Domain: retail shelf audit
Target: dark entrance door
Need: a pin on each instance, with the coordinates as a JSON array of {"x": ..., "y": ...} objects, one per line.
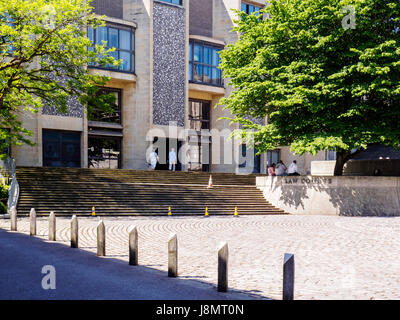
[
  {"x": 199, "y": 152},
  {"x": 105, "y": 152},
  {"x": 61, "y": 148},
  {"x": 163, "y": 147},
  {"x": 255, "y": 162}
]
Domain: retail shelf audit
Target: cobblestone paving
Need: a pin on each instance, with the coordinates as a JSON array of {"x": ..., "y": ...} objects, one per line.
[{"x": 336, "y": 257}]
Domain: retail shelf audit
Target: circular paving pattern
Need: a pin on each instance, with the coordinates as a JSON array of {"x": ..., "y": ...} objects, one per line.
[{"x": 335, "y": 257}]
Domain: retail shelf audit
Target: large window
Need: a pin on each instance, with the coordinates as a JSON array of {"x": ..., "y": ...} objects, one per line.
[
  {"x": 203, "y": 62},
  {"x": 273, "y": 156},
  {"x": 249, "y": 8},
  {"x": 199, "y": 115},
  {"x": 114, "y": 114},
  {"x": 118, "y": 37},
  {"x": 61, "y": 148},
  {"x": 173, "y": 1},
  {"x": 105, "y": 152}
]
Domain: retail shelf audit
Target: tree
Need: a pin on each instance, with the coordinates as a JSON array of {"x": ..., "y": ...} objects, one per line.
[
  {"x": 326, "y": 80},
  {"x": 43, "y": 61}
]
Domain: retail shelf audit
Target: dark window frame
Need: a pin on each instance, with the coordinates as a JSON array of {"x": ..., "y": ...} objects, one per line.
[
  {"x": 120, "y": 142},
  {"x": 206, "y": 122},
  {"x": 193, "y": 63},
  {"x": 60, "y": 144},
  {"x": 132, "y": 50},
  {"x": 108, "y": 90}
]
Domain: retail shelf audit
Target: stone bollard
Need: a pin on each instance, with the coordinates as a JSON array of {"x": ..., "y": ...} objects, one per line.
[
  {"x": 52, "y": 226},
  {"x": 288, "y": 277},
  {"x": 133, "y": 247},
  {"x": 223, "y": 256},
  {"x": 32, "y": 219},
  {"x": 101, "y": 239},
  {"x": 74, "y": 232},
  {"x": 13, "y": 218},
  {"x": 173, "y": 256}
]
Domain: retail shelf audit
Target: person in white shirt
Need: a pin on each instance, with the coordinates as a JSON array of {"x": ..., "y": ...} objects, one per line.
[
  {"x": 172, "y": 159},
  {"x": 292, "y": 171},
  {"x": 280, "y": 169},
  {"x": 153, "y": 157}
]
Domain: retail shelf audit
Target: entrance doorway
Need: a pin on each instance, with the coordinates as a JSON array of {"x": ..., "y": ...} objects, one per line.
[
  {"x": 254, "y": 162},
  {"x": 199, "y": 144},
  {"x": 61, "y": 148},
  {"x": 163, "y": 147},
  {"x": 105, "y": 152}
]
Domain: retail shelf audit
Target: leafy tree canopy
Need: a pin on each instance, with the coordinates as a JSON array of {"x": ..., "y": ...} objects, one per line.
[
  {"x": 43, "y": 61},
  {"x": 324, "y": 80}
]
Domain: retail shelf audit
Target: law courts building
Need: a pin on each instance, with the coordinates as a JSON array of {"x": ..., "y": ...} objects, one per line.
[{"x": 170, "y": 53}]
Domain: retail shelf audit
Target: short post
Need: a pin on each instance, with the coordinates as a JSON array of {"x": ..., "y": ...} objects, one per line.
[
  {"x": 133, "y": 247},
  {"x": 288, "y": 277},
  {"x": 32, "y": 219},
  {"x": 223, "y": 256},
  {"x": 52, "y": 226},
  {"x": 74, "y": 232},
  {"x": 173, "y": 256},
  {"x": 13, "y": 218},
  {"x": 101, "y": 239}
]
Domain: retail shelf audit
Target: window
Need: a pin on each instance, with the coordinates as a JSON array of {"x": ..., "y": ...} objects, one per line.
[
  {"x": 199, "y": 115},
  {"x": 249, "y": 8},
  {"x": 109, "y": 117},
  {"x": 203, "y": 64},
  {"x": 173, "y": 1},
  {"x": 330, "y": 155},
  {"x": 105, "y": 152},
  {"x": 61, "y": 149},
  {"x": 120, "y": 38},
  {"x": 273, "y": 156}
]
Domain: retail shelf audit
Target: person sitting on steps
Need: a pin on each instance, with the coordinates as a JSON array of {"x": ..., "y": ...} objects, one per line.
[{"x": 292, "y": 171}]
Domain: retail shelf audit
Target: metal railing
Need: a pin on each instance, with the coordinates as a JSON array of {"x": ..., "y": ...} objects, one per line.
[{"x": 8, "y": 168}]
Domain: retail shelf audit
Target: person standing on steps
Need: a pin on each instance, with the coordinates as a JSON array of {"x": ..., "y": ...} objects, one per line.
[
  {"x": 172, "y": 159},
  {"x": 153, "y": 157}
]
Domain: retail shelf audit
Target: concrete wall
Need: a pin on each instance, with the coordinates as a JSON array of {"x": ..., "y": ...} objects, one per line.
[
  {"x": 323, "y": 168},
  {"x": 345, "y": 196},
  {"x": 201, "y": 18},
  {"x": 111, "y": 8},
  {"x": 140, "y": 12}
]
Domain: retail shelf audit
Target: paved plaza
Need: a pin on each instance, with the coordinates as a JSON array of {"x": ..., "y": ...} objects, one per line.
[{"x": 336, "y": 257}]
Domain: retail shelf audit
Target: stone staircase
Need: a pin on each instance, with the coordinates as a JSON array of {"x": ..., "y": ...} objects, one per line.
[{"x": 68, "y": 191}]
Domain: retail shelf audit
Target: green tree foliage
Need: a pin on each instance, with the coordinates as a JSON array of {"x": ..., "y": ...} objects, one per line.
[
  {"x": 43, "y": 61},
  {"x": 322, "y": 85},
  {"x": 3, "y": 198}
]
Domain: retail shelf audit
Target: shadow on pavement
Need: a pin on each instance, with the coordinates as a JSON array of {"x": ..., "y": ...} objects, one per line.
[{"x": 81, "y": 275}]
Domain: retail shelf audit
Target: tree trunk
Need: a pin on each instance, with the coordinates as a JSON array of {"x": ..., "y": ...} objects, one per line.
[{"x": 342, "y": 157}]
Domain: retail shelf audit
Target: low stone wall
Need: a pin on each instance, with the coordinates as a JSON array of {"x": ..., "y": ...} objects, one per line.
[{"x": 345, "y": 196}]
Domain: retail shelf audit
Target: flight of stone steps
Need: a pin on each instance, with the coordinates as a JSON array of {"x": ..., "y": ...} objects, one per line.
[{"x": 68, "y": 191}]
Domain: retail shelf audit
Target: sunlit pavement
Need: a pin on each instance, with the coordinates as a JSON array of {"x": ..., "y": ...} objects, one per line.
[{"x": 336, "y": 257}]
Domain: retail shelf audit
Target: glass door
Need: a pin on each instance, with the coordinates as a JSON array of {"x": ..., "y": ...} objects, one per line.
[{"x": 105, "y": 152}]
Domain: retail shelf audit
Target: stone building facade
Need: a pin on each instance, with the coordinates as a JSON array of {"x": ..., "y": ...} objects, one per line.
[{"x": 166, "y": 92}]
